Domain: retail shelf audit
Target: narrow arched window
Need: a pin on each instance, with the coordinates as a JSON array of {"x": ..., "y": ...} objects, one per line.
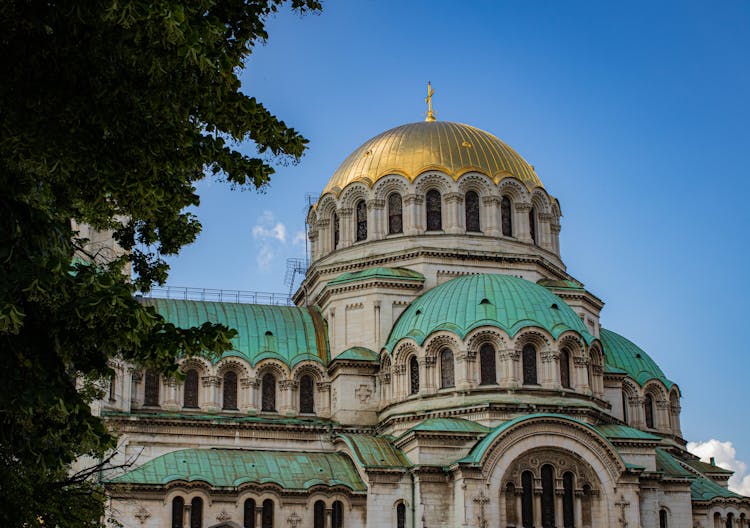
[
  {"x": 434, "y": 210},
  {"x": 487, "y": 370},
  {"x": 565, "y": 368},
  {"x": 413, "y": 375},
  {"x": 401, "y": 515},
  {"x": 335, "y": 227},
  {"x": 663, "y": 523},
  {"x": 395, "y": 214},
  {"x": 506, "y": 219},
  {"x": 568, "y": 503},
  {"x": 337, "y": 515},
  {"x": 527, "y": 500},
  {"x": 190, "y": 396},
  {"x": 586, "y": 505},
  {"x": 648, "y": 409},
  {"x": 268, "y": 393},
  {"x": 730, "y": 520},
  {"x": 151, "y": 388},
  {"x": 178, "y": 509},
  {"x": 548, "y": 497},
  {"x": 306, "y": 397},
  {"x": 248, "y": 514},
  {"x": 471, "y": 209},
  {"x": 112, "y": 379},
  {"x": 361, "y": 211},
  {"x": 196, "y": 513},
  {"x": 624, "y": 407},
  {"x": 446, "y": 368},
  {"x": 510, "y": 504},
  {"x": 319, "y": 514},
  {"x": 532, "y": 224},
  {"x": 266, "y": 517},
  {"x": 230, "y": 391},
  {"x": 529, "y": 365}
]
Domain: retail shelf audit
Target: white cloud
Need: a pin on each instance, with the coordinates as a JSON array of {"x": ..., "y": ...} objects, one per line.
[
  {"x": 299, "y": 238},
  {"x": 726, "y": 457},
  {"x": 267, "y": 228}
]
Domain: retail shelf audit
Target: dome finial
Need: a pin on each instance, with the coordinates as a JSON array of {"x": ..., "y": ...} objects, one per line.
[{"x": 428, "y": 100}]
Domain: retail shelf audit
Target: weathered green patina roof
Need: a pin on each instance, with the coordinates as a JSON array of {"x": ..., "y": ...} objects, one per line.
[
  {"x": 374, "y": 451},
  {"x": 669, "y": 465},
  {"x": 503, "y": 301},
  {"x": 626, "y": 355},
  {"x": 287, "y": 333},
  {"x": 705, "y": 489},
  {"x": 449, "y": 425},
  {"x": 623, "y": 432},
  {"x": 478, "y": 451},
  {"x": 359, "y": 354},
  {"x": 560, "y": 284},
  {"x": 229, "y": 468},
  {"x": 379, "y": 273},
  {"x": 705, "y": 467}
]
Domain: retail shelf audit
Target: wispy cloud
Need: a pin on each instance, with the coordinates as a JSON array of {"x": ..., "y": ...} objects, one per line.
[
  {"x": 270, "y": 236},
  {"x": 726, "y": 457},
  {"x": 267, "y": 228},
  {"x": 299, "y": 238}
]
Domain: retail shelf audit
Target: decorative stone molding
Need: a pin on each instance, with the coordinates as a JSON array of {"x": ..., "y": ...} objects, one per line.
[
  {"x": 293, "y": 520},
  {"x": 142, "y": 515},
  {"x": 375, "y": 203},
  {"x": 523, "y": 207},
  {"x": 363, "y": 393},
  {"x": 454, "y": 197},
  {"x": 288, "y": 384},
  {"x": 211, "y": 381},
  {"x": 429, "y": 361},
  {"x": 223, "y": 516},
  {"x": 323, "y": 386}
]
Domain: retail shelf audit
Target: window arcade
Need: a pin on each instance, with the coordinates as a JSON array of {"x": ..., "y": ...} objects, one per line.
[
  {"x": 395, "y": 214},
  {"x": 528, "y": 357},
  {"x": 487, "y": 367},
  {"x": 230, "y": 391},
  {"x": 151, "y": 388},
  {"x": 361, "y": 212},
  {"x": 447, "y": 378},
  {"x": 306, "y": 395},
  {"x": 413, "y": 375},
  {"x": 471, "y": 210},
  {"x": 190, "y": 389},
  {"x": 434, "y": 210},
  {"x": 268, "y": 393},
  {"x": 506, "y": 219}
]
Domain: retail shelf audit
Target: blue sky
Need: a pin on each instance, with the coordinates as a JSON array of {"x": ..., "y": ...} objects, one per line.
[{"x": 635, "y": 115}]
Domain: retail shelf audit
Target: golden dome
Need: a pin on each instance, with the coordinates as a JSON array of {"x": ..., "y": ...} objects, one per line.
[{"x": 453, "y": 148}]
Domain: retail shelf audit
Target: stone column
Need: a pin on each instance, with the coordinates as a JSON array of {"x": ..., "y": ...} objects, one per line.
[
  {"x": 211, "y": 385},
  {"x": 578, "y": 507},
  {"x": 323, "y": 400},
  {"x": 464, "y": 374},
  {"x": 248, "y": 386},
  {"x": 413, "y": 214},
  {"x": 454, "y": 220},
  {"x": 171, "y": 396},
  {"x": 428, "y": 383},
  {"x": 550, "y": 371},
  {"x": 559, "y": 506},
  {"x": 521, "y": 222},
  {"x": 490, "y": 219},
  {"x": 662, "y": 415},
  {"x": 287, "y": 389},
  {"x": 545, "y": 240},
  {"x": 555, "y": 233},
  {"x": 136, "y": 396},
  {"x": 537, "y": 503},
  {"x": 313, "y": 238},
  {"x": 400, "y": 387},
  {"x": 580, "y": 364},
  {"x": 325, "y": 239},
  {"x": 346, "y": 227},
  {"x": 375, "y": 222}
]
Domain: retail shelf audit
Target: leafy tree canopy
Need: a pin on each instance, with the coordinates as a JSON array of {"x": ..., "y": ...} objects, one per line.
[{"x": 110, "y": 111}]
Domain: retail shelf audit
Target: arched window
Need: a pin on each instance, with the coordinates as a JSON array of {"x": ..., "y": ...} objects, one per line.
[
  {"x": 230, "y": 391},
  {"x": 506, "y": 218},
  {"x": 266, "y": 517},
  {"x": 151, "y": 388},
  {"x": 624, "y": 406},
  {"x": 337, "y": 515},
  {"x": 413, "y": 375},
  {"x": 648, "y": 409},
  {"x": 112, "y": 379},
  {"x": 335, "y": 227},
  {"x": 319, "y": 514},
  {"x": 510, "y": 504},
  {"x": 548, "y": 497},
  {"x": 196, "y": 513},
  {"x": 663, "y": 523},
  {"x": 565, "y": 368},
  {"x": 730, "y": 520},
  {"x": 178, "y": 509},
  {"x": 306, "y": 397},
  {"x": 487, "y": 370},
  {"x": 446, "y": 368},
  {"x": 568, "y": 508},
  {"x": 434, "y": 211},
  {"x": 532, "y": 224},
  {"x": 268, "y": 393},
  {"x": 529, "y": 365},
  {"x": 674, "y": 413},
  {"x": 401, "y": 515},
  {"x": 395, "y": 214},
  {"x": 527, "y": 500},
  {"x": 190, "y": 396},
  {"x": 361, "y": 211},
  {"x": 471, "y": 208},
  {"x": 248, "y": 514}
]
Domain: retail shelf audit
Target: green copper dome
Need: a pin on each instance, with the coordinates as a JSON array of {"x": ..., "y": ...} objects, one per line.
[
  {"x": 626, "y": 355},
  {"x": 503, "y": 301}
]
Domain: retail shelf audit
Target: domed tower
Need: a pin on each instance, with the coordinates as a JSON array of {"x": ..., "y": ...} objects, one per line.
[{"x": 421, "y": 204}]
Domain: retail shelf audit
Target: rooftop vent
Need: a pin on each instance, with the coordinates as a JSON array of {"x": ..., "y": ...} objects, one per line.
[
  {"x": 554, "y": 306},
  {"x": 485, "y": 301},
  {"x": 269, "y": 333}
]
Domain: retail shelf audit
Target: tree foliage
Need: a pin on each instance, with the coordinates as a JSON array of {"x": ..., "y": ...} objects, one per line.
[{"x": 110, "y": 112}]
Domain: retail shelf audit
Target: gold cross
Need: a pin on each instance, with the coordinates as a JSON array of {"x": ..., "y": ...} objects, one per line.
[{"x": 428, "y": 100}]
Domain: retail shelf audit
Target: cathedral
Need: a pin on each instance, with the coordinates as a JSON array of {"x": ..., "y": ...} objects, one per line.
[{"x": 438, "y": 367}]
